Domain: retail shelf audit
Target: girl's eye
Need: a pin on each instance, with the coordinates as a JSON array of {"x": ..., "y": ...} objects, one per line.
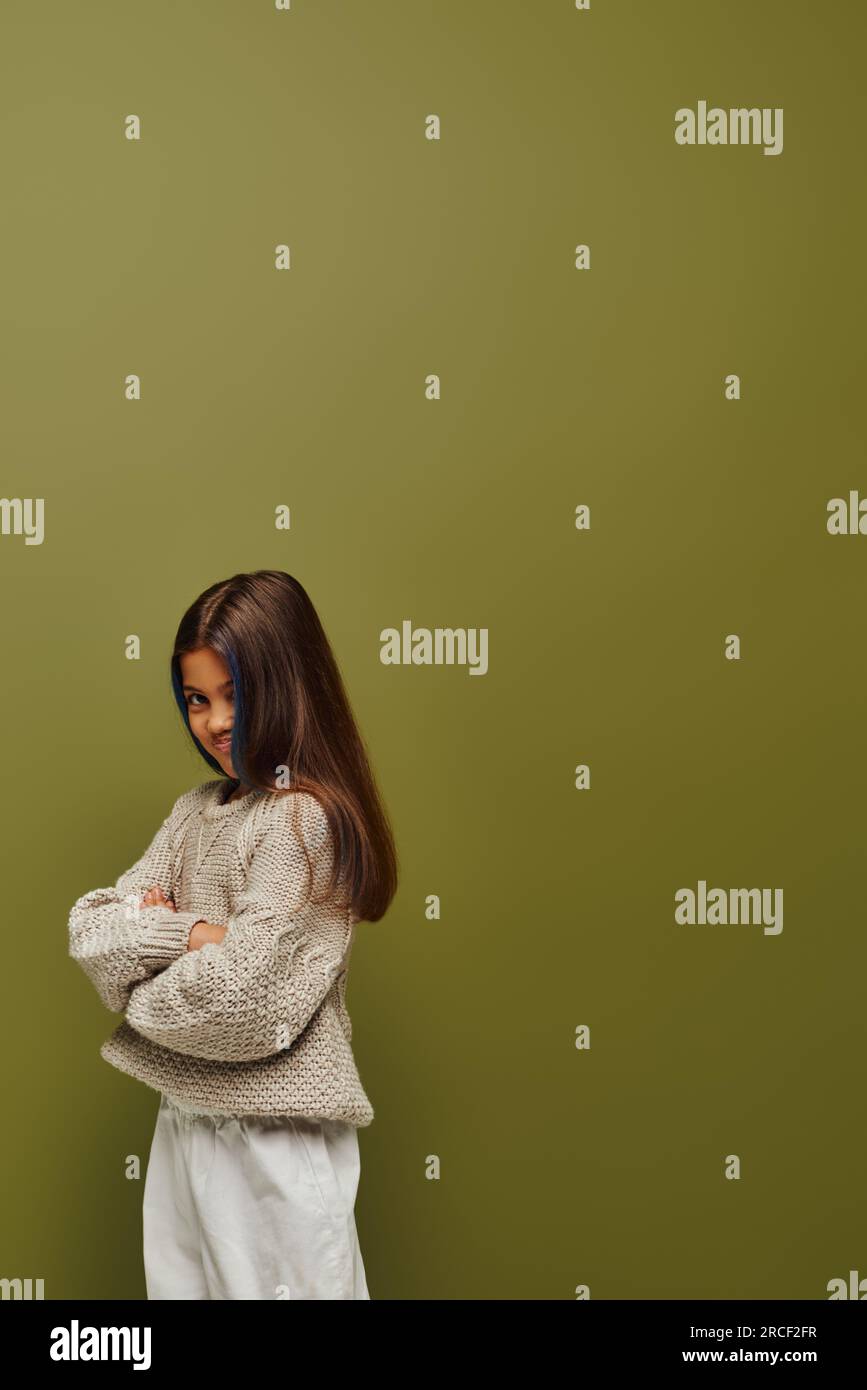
[{"x": 195, "y": 695}]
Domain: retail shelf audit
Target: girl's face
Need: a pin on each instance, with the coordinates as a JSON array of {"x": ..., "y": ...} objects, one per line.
[{"x": 208, "y": 691}]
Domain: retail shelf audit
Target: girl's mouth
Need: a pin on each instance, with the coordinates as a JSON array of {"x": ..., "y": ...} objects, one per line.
[{"x": 223, "y": 746}]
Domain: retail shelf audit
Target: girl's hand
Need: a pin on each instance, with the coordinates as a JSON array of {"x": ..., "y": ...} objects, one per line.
[
  {"x": 155, "y": 897},
  {"x": 203, "y": 933}
]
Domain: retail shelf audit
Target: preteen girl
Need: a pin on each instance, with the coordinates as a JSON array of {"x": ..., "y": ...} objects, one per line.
[{"x": 226, "y": 947}]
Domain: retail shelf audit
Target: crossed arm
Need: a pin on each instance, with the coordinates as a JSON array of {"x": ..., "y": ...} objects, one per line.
[
  {"x": 236, "y": 992},
  {"x": 202, "y": 932}
]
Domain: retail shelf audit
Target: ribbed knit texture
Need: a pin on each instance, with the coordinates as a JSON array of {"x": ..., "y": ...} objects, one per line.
[{"x": 256, "y": 1024}]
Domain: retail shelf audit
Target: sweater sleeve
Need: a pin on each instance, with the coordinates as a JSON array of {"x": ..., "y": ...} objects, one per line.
[
  {"x": 253, "y": 993},
  {"x": 119, "y": 943}
]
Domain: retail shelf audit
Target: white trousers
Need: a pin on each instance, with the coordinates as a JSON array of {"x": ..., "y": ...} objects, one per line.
[{"x": 251, "y": 1207}]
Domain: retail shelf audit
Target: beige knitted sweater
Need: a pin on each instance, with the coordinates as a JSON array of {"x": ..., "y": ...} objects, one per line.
[{"x": 256, "y": 1024}]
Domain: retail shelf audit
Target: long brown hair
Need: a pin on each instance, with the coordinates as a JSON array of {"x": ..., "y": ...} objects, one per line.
[{"x": 291, "y": 711}]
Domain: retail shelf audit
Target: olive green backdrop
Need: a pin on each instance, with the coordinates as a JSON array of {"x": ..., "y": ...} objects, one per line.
[{"x": 560, "y": 1167}]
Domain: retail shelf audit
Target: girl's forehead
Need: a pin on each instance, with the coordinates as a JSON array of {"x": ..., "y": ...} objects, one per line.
[{"x": 205, "y": 664}]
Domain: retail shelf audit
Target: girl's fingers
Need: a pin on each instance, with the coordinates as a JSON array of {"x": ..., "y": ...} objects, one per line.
[{"x": 155, "y": 897}]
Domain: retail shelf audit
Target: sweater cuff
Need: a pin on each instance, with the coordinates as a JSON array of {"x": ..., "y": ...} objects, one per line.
[{"x": 167, "y": 936}]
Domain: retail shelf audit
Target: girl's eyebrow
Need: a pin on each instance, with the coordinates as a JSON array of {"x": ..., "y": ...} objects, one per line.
[{"x": 201, "y": 692}]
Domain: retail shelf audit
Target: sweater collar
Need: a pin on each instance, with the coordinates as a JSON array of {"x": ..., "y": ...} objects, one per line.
[{"x": 215, "y": 808}]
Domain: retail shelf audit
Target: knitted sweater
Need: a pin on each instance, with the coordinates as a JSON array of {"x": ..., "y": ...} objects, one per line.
[{"x": 257, "y": 1023}]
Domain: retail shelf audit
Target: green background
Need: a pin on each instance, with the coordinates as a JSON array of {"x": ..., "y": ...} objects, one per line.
[{"x": 306, "y": 388}]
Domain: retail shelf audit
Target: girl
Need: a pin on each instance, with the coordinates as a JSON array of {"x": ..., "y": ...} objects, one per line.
[{"x": 227, "y": 946}]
